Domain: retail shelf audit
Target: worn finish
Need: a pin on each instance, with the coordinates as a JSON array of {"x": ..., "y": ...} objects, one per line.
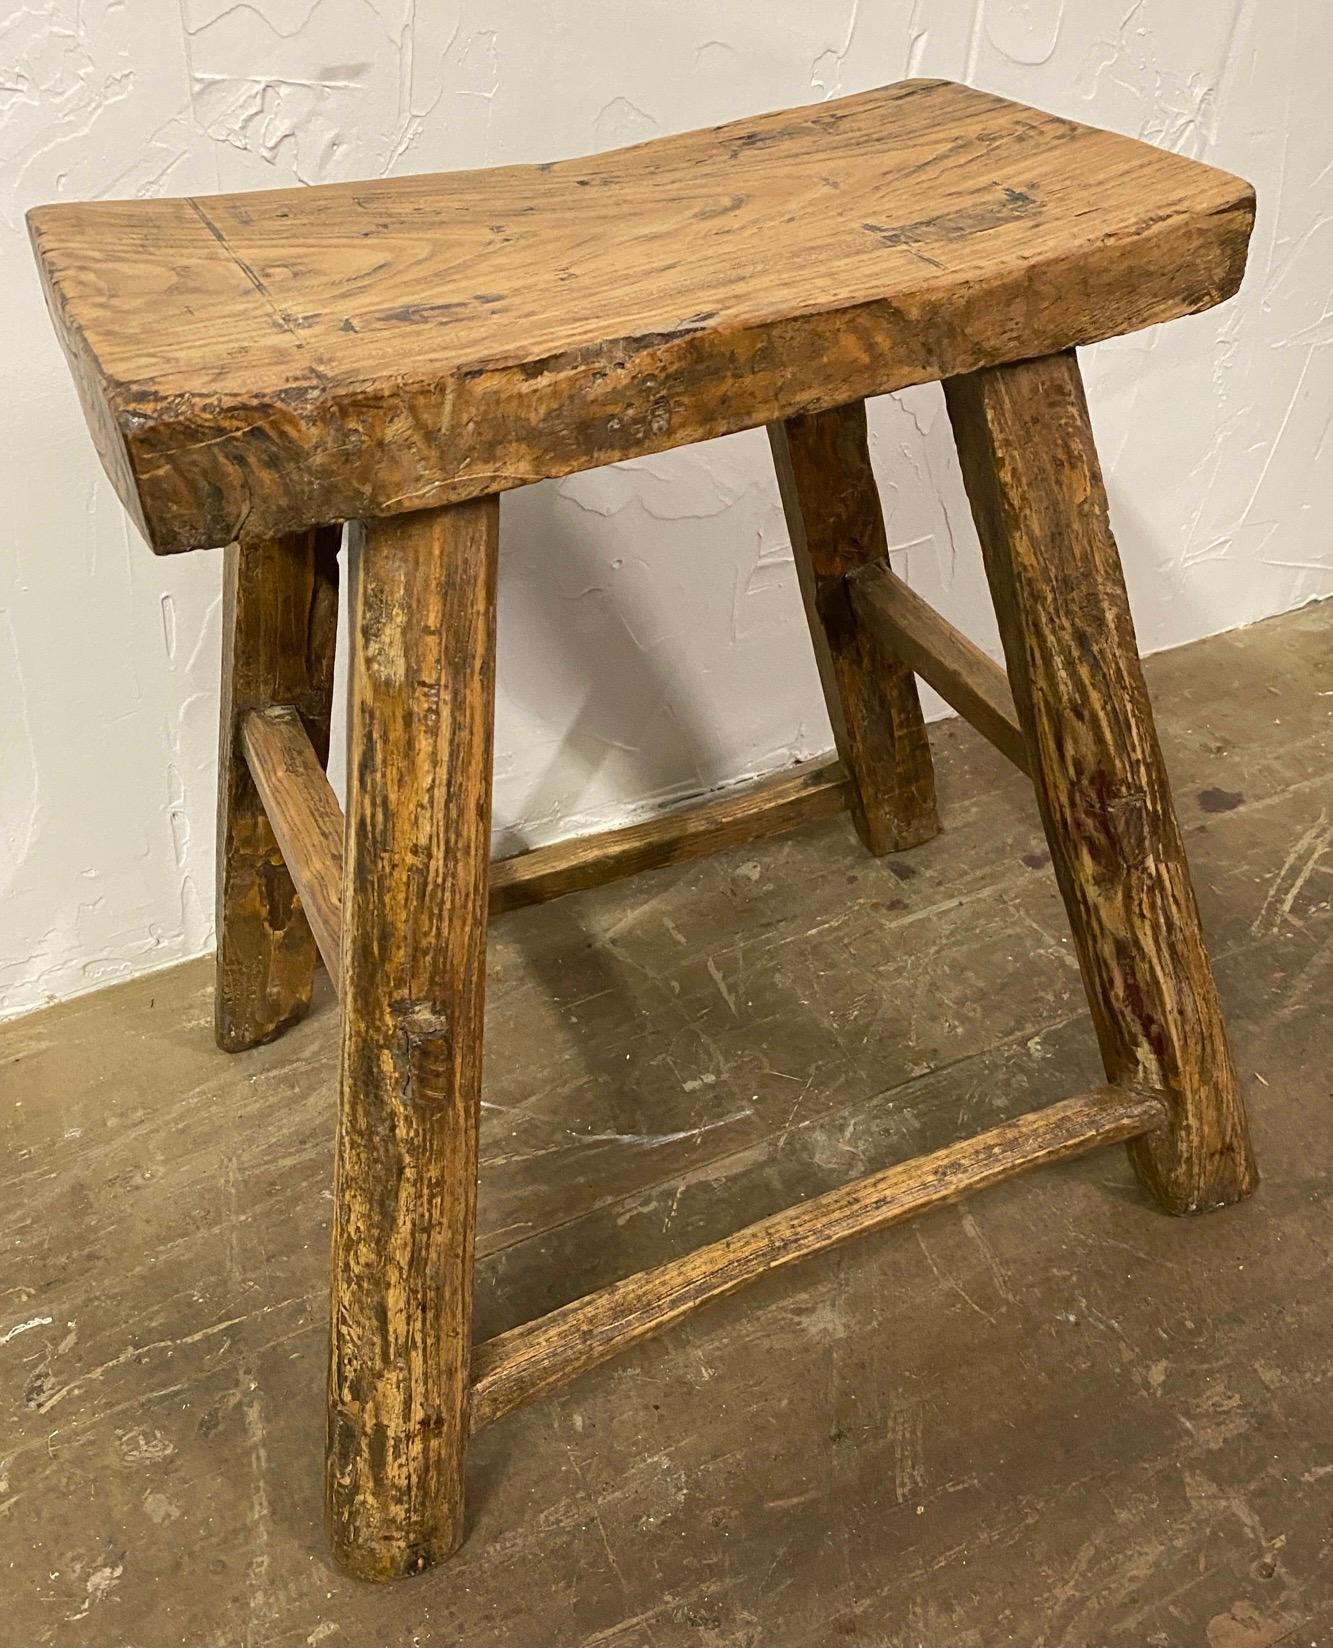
[
  {"x": 413, "y": 957},
  {"x": 250, "y": 364},
  {"x": 1120, "y": 1421},
  {"x": 831, "y": 502},
  {"x": 1231, "y": 525},
  {"x": 784, "y": 800},
  {"x": 415, "y": 860},
  {"x": 542, "y": 1355},
  {"x": 305, "y": 817},
  {"x": 308, "y": 823},
  {"x": 1028, "y": 458},
  {"x": 959, "y": 671},
  {"x": 279, "y": 621},
  {"x": 417, "y": 830}
]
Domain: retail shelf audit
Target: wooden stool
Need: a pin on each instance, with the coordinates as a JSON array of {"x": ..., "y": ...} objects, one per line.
[{"x": 255, "y": 367}]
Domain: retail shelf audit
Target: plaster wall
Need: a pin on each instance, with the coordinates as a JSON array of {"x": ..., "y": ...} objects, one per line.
[{"x": 651, "y": 635}]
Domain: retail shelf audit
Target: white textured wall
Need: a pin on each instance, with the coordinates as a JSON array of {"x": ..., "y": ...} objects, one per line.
[{"x": 651, "y": 633}]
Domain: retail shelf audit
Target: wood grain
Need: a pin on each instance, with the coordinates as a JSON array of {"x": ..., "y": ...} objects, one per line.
[
  {"x": 279, "y": 622},
  {"x": 414, "y": 950},
  {"x": 782, "y": 801},
  {"x": 305, "y": 817},
  {"x": 836, "y": 526},
  {"x": 1028, "y": 458},
  {"x": 959, "y": 671},
  {"x": 519, "y": 1365},
  {"x": 250, "y": 364}
]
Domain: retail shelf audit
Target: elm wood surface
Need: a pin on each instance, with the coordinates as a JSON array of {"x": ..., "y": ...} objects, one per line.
[
  {"x": 419, "y": 740},
  {"x": 308, "y": 824},
  {"x": 279, "y": 622},
  {"x": 1026, "y": 448},
  {"x": 251, "y": 364},
  {"x": 519, "y": 1365},
  {"x": 305, "y": 817},
  {"x": 836, "y": 526},
  {"x": 958, "y": 670},
  {"x": 782, "y": 801}
]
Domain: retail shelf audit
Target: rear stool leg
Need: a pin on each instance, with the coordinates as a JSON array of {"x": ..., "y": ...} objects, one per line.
[
  {"x": 413, "y": 957},
  {"x": 280, "y": 619},
  {"x": 836, "y": 526},
  {"x": 1028, "y": 459}
]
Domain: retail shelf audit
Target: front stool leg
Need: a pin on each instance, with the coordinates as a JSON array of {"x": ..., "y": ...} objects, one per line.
[
  {"x": 279, "y": 624},
  {"x": 836, "y": 526},
  {"x": 1028, "y": 459},
  {"x": 413, "y": 961}
]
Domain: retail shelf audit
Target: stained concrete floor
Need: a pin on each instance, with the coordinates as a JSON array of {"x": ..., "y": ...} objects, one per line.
[{"x": 1050, "y": 1416}]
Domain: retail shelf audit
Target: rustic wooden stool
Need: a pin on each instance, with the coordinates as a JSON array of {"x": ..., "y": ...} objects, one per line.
[{"x": 255, "y": 367}]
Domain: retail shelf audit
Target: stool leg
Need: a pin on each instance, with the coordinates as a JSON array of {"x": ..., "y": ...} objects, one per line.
[
  {"x": 836, "y": 525},
  {"x": 1032, "y": 474},
  {"x": 280, "y": 619},
  {"x": 414, "y": 950}
]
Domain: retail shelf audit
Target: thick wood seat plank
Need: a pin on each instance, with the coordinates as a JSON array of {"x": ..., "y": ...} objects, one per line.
[{"x": 255, "y": 364}]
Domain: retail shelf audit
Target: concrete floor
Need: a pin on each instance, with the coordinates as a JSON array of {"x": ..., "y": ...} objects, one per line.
[{"x": 1048, "y": 1416}]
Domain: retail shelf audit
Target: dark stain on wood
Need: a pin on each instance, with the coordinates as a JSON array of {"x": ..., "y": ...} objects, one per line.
[
  {"x": 971, "y": 220},
  {"x": 1030, "y": 465}
]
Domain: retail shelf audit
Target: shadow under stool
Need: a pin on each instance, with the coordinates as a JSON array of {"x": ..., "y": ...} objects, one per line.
[{"x": 257, "y": 369}]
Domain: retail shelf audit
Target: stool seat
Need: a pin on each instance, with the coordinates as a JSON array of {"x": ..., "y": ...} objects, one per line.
[{"x": 254, "y": 364}]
